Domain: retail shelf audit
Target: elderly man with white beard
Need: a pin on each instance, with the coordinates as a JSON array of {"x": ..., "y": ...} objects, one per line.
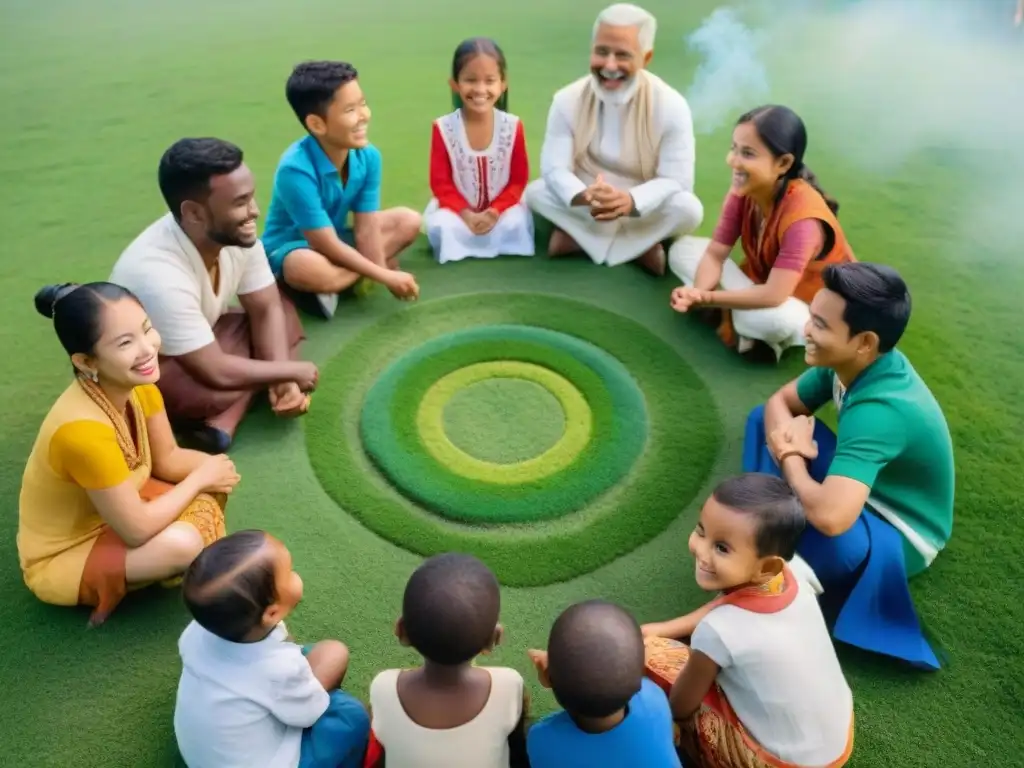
[{"x": 617, "y": 162}]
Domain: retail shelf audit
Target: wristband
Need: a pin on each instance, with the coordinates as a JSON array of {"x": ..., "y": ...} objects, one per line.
[{"x": 789, "y": 454}]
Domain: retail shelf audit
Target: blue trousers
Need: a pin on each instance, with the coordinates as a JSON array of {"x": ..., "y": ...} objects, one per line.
[
  {"x": 339, "y": 738},
  {"x": 866, "y": 601}
]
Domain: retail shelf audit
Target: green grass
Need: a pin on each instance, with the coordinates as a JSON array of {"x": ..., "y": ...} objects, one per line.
[
  {"x": 94, "y": 92},
  {"x": 681, "y": 444},
  {"x": 504, "y": 420},
  {"x": 390, "y": 431}
]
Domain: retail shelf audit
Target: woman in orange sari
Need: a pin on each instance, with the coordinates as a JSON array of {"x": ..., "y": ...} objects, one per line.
[
  {"x": 789, "y": 233},
  {"x": 109, "y": 502}
]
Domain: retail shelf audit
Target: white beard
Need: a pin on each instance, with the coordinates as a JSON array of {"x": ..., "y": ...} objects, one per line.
[{"x": 618, "y": 97}]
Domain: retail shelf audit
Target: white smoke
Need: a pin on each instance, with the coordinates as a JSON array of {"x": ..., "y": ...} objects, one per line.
[
  {"x": 731, "y": 70},
  {"x": 884, "y": 81}
]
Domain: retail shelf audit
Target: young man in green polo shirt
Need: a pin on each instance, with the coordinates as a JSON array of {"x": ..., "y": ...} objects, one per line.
[{"x": 879, "y": 496}]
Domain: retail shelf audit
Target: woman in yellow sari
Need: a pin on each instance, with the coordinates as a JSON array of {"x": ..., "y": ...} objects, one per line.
[{"x": 109, "y": 502}]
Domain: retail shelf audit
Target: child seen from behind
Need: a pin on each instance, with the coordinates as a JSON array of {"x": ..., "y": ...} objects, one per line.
[
  {"x": 614, "y": 717},
  {"x": 478, "y": 164},
  {"x": 248, "y": 696},
  {"x": 762, "y": 684},
  {"x": 449, "y": 713}
]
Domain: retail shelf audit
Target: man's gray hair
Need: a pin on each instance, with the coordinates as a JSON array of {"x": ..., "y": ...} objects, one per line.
[{"x": 629, "y": 15}]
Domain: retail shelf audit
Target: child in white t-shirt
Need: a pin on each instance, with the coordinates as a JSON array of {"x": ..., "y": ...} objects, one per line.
[
  {"x": 449, "y": 713},
  {"x": 249, "y": 697},
  {"x": 762, "y": 682}
]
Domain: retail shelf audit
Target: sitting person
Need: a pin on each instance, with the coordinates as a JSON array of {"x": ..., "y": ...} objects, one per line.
[
  {"x": 187, "y": 267},
  {"x": 248, "y": 695},
  {"x": 762, "y": 685},
  {"x": 879, "y": 499},
  {"x": 109, "y": 502},
  {"x": 319, "y": 180},
  {"x": 449, "y": 713},
  {"x": 787, "y": 228},
  {"x": 614, "y": 717},
  {"x": 618, "y": 155},
  {"x": 478, "y": 164}
]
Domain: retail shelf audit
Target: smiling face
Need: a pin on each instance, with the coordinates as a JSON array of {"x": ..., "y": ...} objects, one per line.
[
  {"x": 230, "y": 212},
  {"x": 615, "y": 57},
  {"x": 829, "y": 344},
  {"x": 347, "y": 119},
  {"x": 125, "y": 356},
  {"x": 480, "y": 84},
  {"x": 724, "y": 548},
  {"x": 755, "y": 170}
]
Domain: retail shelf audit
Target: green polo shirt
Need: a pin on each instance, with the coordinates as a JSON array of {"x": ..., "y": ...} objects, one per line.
[{"x": 894, "y": 439}]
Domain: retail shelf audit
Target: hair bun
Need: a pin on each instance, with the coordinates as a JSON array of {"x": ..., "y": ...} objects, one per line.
[{"x": 48, "y": 296}]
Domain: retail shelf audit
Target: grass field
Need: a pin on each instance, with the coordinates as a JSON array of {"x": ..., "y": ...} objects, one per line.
[{"x": 94, "y": 92}]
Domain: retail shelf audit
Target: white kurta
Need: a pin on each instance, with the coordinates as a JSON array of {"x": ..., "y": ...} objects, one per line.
[
  {"x": 779, "y": 327},
  {"x": 479, "y": 178},
  {"x": 666, "y": 204}
]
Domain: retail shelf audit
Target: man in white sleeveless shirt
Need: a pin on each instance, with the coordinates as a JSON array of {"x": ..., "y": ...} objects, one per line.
[{"x": 617, "y": 162}]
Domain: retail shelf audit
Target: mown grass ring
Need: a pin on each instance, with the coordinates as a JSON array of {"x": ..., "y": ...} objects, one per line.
[
  {"x": 393, "y": 440},
  {"x": 683, "y": 441},
  {"x": 431, "y": 424}
]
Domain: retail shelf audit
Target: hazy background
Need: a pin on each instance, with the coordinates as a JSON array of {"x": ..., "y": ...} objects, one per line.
[{"x": 889, "y": 82}]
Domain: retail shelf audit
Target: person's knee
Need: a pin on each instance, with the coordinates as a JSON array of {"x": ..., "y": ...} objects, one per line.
[
  {"x": 182, "y": 544},
  {"x": 407, "y": 223},
  {"x": 536, "y": 192},
  {"x": 785, "y": 323},
  {"x": 684, "y": 256},
  {"x": 685, "y": 210},
  {"x": 334, "y": 651}
]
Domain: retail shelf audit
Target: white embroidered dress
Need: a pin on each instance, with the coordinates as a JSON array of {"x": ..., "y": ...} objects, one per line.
[{"x": 494, "y": 178}]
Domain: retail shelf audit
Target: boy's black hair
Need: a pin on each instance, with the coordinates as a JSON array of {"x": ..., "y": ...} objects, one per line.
[
  {"x": 450, "y": 608},
  {"x": 877, "y": 300},
  {"x": 312, "y": 84},
  {"x": 228, "y": 586},
  {"x": 780, "y": 516},
  {"x": 595, "y": 659}
]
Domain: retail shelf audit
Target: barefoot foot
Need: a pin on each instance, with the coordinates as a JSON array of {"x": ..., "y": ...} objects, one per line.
[
  {"x": 653, "y": 260},
  {"x": 561, "y": 244}
]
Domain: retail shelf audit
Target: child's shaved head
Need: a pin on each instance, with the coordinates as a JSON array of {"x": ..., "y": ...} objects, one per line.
[
  {"x": 230, "y": 585},
  {"x": 595, "y": 659},
  {"x": 450, "y": 609}
]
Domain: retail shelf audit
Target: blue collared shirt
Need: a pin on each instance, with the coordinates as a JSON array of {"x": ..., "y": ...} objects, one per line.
[{"x": 308, "y": 192}]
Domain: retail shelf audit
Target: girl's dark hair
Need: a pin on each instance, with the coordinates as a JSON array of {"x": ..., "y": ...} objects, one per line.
[
  {"x": 776, "y": 508},
  {"x": 784, "y": 133},
  {"x": 227, "y": 588},
  {"x": 469, "y": 50},
  {"x": 77, "y": 310}
]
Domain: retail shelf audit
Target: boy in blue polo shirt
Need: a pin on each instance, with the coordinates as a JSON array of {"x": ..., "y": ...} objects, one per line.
[
  {"x": 323, "y": 177},
  {"x": 614, "y": 716}
]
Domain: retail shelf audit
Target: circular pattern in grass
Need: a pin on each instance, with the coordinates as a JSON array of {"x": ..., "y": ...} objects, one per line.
[
  {"x": 486, "y": 420},
  {"x": 539, "y": 414},
  {"x": 607, "y": 434},
  {"x": 683, "y": 439}
]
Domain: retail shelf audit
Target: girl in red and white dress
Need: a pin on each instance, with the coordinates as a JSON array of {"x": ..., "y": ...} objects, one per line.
[{"x": 478, "y": 165}]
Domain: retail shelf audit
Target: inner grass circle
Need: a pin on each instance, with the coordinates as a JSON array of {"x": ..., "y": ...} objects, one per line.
[
  {"x": 682, "y": 443},
  {"x": 504, "y": 420}
]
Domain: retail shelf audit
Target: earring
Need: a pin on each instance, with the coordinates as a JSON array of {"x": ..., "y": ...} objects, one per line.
[{"x": 95, "y": 377}]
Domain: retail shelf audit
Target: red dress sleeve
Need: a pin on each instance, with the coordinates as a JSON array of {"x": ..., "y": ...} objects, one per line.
[
  {"x": 800, "y": 244},
  {"x": 519, "y": 174},
  {"x": 442, "y": 185},
  {"x": 730, "y": 223}
]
